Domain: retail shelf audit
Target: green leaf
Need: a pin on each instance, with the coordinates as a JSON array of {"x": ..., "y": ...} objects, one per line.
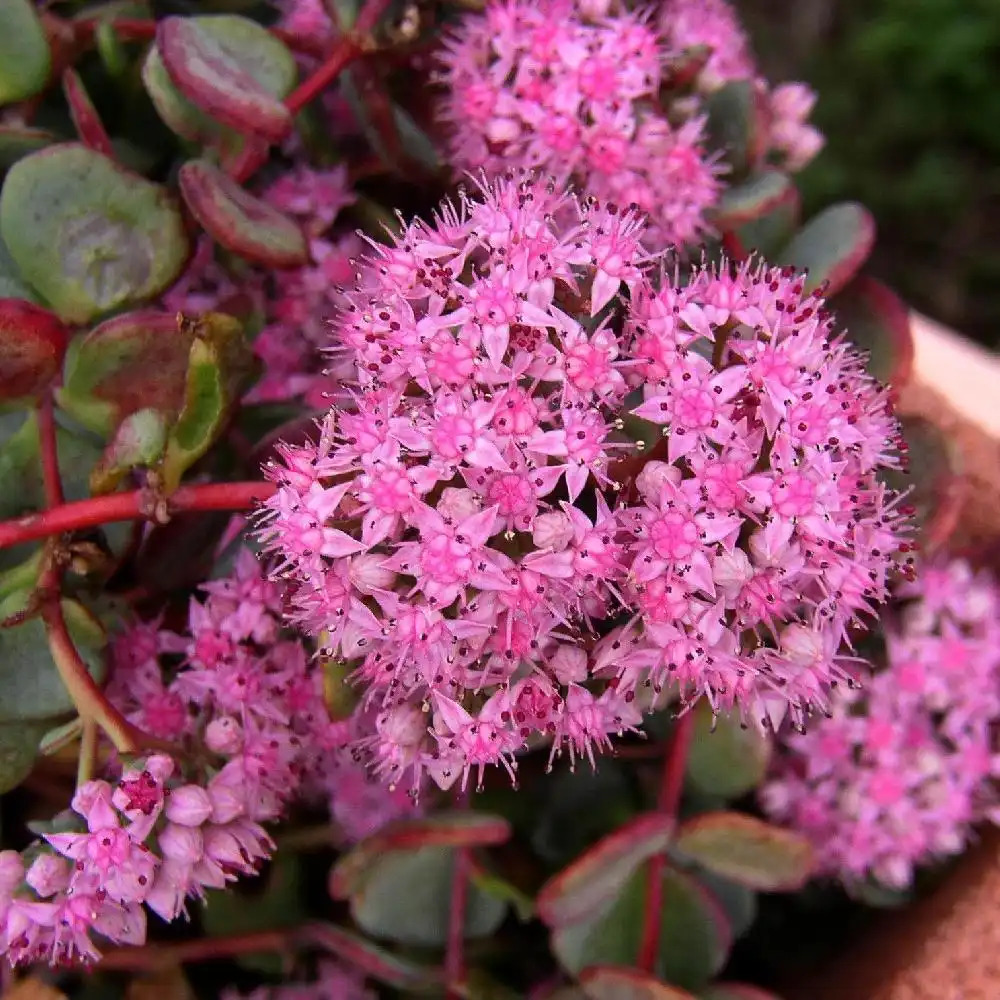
[
  {"x": 609, "y": 982},
  {"x": 133, "y": 362},
  {"x": 240, "y": 222},
  {"x": 32, "y": 689},
  {"x": 18, "y": 750},
  {"x": 89, "y": 235},
  {"x": 761, "y": 214},
  {"x": 32, "y": 342},
  {"x": 495, "y": 885},
  {"x": 738, "y": 902},
  {"x": 139, "y": 442},
  {"x": 734, "y": 124},
  {"x": 219, "y": 63},
  {"x": 598, "y": 875},
  {"x": 17, "y": 141},
  {"x": 831, "y": 246},
  {"x": 746, "y": 850},
  {"x": 405, "y": 898},
  {"x": 24, "y": 52},
  {"x": 725, "y": 759},
  {"x": 12, "y": 286},
  {"x": 443, "y": 829},
  {"x": 877, "y": 320},
  {"x": 217, "y": 368},
  {"x": 694, "y": 935}
]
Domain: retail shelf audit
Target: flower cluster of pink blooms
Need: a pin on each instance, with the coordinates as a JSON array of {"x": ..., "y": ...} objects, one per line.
[
  {"x": 908, "y": 762},
  {"x": 546, "y": 85},
  {"x": 294, "y": 304},
  {"x": 476, "y": 535},
  {"x": 333, "y": 982}
]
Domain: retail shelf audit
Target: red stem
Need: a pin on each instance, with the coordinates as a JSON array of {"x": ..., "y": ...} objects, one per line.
[
  {"x": 344, "y": 53},
  {"x": 370, "y": 15},
  {"x": 454, "y": 956},
  {"x": 138, "y": 505},
  {"x": 672, "y": 782},
  {"x": 50, "y": 453},
  {"x": 160, "y": 956}
]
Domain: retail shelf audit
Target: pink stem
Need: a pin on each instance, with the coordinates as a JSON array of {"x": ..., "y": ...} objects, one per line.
[{"x": 454, "y": 956}]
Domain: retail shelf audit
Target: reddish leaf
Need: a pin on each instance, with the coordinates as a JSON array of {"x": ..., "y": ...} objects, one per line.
[
  {"x": 239, "y": 221},
  {"x": 832, "y": 246},
  {"x": 756, "y": 196},
  {"x": 460, "y": 829},
  {"x": 598, "y": 875},
  {"x": 212, "y": 68},
  {"x": 32, "y": 342},
  {"x": 746, "y": 850},
  {"x": 88, "y": 125},
  {"x": 612, "y": 982}
]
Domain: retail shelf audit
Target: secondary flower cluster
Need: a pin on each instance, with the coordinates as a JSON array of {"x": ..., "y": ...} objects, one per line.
[
  {"x": 476, "y": 537},
  {"x": 906, "y": 765}
]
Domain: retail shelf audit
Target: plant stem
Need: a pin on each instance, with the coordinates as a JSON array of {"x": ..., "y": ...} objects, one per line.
[
  {"x": 50, "y": 454},
  {"x": 672, "y": 781},
  {"x": 88, "y": 752},
  {"x": 454, "y": 956},
  {"x": 151, "y": 957},
  {"x": 138, "y": 505},
  {"x": 344, "y": 53}
]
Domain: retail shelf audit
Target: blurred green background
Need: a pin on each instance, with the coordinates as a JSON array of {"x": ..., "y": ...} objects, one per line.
[{"x": 909, "y": 100}]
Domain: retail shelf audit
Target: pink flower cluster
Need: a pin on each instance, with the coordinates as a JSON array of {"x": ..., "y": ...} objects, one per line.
[
  {"x": 906, "y": 765},
  {"x": 150, "y": 839},
  {"x": 546, "y": 85},
  {"x": 334, "y": 982},
  {"x": 476, "y": 536}
]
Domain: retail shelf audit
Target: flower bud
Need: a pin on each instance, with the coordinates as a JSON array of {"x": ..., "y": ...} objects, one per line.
[
  {"x": 48, "y": 874},
  {"x": 11, "y": 872},
  {"x": 802, "y": 644},
  {"x": 184, "y": 844},
  {"x": 569, "y": 664},
  {"x": 226, "y": 797},
  {"x": 457, "y": 504},
  {"x": 224, "y": 735},
  {"x": 552, "y": 531},
  {"x": 189, "y": 805},
  {"x": 368, "y": 575},
  {"x": 731, "y": 571}
]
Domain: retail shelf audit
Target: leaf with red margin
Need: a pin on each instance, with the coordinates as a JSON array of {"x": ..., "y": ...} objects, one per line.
[
  {"x": 216, "y": 62},
  {"x": 747, "y": 850},
  {"x": 32, "y": 343},
  {"x": 831, "y": 246},
  {"x": 371, "y": 959},
  {"x": 877, "y": 320},
  {"x": 760, "y": 214},
  {"x": 136, "y": 361},
  {"x": 614, "y": 982},
  {"x": 25, "y": 56},
  {"x": 736, "y": 124},
  {"x": 17, "y": 141},
  {"x": 81, "y": 109},
  {"x": 736, "y": 991},
  {"x": 447, "y": 829},
  {"x": 238, "y": 221},
  {"x": 599, "y": 874}
]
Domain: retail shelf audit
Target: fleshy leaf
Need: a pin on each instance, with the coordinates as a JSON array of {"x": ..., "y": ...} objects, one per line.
[
  {"x": 405, "y": 898},
  {"x": 217, "y": 62},
  {"x": 373, "y": 960},
  {"x": 135, "y": 361},
  {"x": 694, "y": 935},
  {"x": 18, "y": 750},
  {"x": 611, "y": 982},
  {"x": 32, "y": 689},
  {"x": 832, "y": 246},
  {"x": 11, "y": 284},
  {"x": 598, "y": 875},
  {"x": 877, "y": 320},
  {"x": 445, "y": 829},
  {"x": 760, "y": 214},
  {"x": 217, "y": 368},
  {"x": 32, "y": 342},
  {"x": 737, "y": 901},
  {"x": 139, "y": 441},
  {"x": 725, "y": 758},
  {"x": 747, "y": 850},
  {"x": 17, "y": 141},
  {"x": 735, "y": 124},
  {"x": 239, "y": 221},
  {"x": 88, "y": 125},
  {"x": 492, "y": 884},
  {"x": 89, "y": 235},
  {"x": 25, "y": 59}
]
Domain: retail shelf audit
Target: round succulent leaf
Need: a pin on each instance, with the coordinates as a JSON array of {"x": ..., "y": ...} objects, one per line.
[
  {"x": 18, "y": 750},
  {"x": 220, "y": 63},
  {"x": 89, "y": 235},
  {"x": 695, "y": 937},
  {"x": 610, "y": 982},
  {"x": 135, "y": 361},
  {"x": 747, "y": 850},
  {"x": 29, "y": 680},
  {"x": 443, "y": 829},
  {"x": 32, "y": 343},
  {"x": 25, "y": 58},
  {"x": 405, "y": 898},
  {"x": 726, "y": 758},
  {"x": 877, "y": 320},
  {"x": 597, "y": 876},
  {"x": 737, "y": 901},
  {"x": 12, "y": 286},
  {"x": 139, "y": 442},
  {"x": 373, "y": 960},
  {"x": 754, "y": 197},
  {"x": 831, "y": 246},
  {"x": 238, "y": 220},
  {"x": 735, "y": 124},
  {"x": 17, "y": 141}
]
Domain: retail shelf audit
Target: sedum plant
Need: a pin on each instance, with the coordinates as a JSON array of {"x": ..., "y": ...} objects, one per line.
[{"x": 449, "y": 501}]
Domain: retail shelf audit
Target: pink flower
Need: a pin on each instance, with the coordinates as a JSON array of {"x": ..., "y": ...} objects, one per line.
[{"x": 712, "y": 25}]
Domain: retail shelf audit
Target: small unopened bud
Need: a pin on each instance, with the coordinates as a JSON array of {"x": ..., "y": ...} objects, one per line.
[
  {"x": 188, "y": 805},
  {"x": 569, "y": 664},
  {"x": 181, "y": 843},
  {"x": 458, "y": 504},
  {"x": 654, "y": 475},
  {"x": 552, "y": 531},
  {"x": 224, "y": 736}
]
